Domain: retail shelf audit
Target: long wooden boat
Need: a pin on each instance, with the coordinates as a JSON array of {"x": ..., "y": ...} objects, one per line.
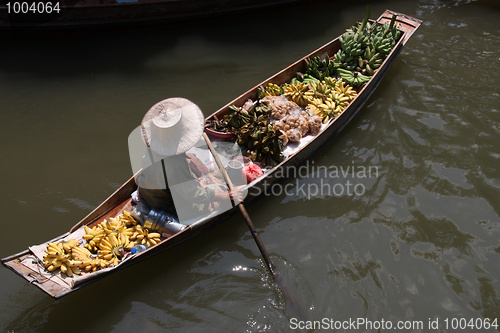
[
  {"x": 25, "y": 263},
  {"x": 110, "y": 13}
]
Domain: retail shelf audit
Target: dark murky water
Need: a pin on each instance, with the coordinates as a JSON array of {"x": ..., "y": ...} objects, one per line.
[{"x": 421, "y": 242}]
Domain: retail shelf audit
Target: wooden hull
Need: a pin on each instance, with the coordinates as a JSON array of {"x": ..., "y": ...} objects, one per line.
[
  {"x": 121, "y": 198},
  {"x": 111, "y": 13}
]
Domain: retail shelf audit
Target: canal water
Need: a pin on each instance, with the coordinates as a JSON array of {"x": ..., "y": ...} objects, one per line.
[{"x": 416, "y": 240}]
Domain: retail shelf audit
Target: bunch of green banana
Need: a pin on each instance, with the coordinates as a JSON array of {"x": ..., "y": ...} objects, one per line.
[
  {"x": 354, "y": 41},
  {"x": 306, "y": 78},
  {"x": 320, "y": 67},
  {"x": 384, "y": 37},
  {"x": 371, "y": 61},
  {"x": 353, "y": 78},
  {"x": 382, "y": 45},
  {"x": 349, "y": 62},
  {"x": 353, "y": 44},
  {"x": 364, "y": 48},
  {"x": 342, "y": 60},
  {"x": 390, "y": 30},
  {"x": 271, "y": 89}
]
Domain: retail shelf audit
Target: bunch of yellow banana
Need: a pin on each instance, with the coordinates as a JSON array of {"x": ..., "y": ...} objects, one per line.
[
  {"x": 271, "y": 89},
  {"x": 112, "y": 248},
  {"x": 340, "y": 99},
  {"x": 106, "y": 243},
  {"x": 69, "y": 244},
  {"x": 312, "y": 94},
  {"x": 314, "y": 110},
  {"x": 326, "y": 109},
  {"x": 116, "y": 226},
  {"x": 330, "y": 108},
  {"x": 70, "y": 268},
  {"x": 143, "y": 236},
  {"x": 57, "y": 257},
  {"x": 329, "y": 97},
  {"x": 342, "y": 87},
  {"x": 151, "y": 239},
  {"x": 126, "y": 218},
  {"x": 112, "y": 225},
  {"x": 93, "y": 237},
  {"x": 318, "y": 89},
  {"x": 138, "y": 235},
  {"x": 296, "y": 92},
  {"x": 331, "y": 81},
  {"x": 89, "y": 261}
]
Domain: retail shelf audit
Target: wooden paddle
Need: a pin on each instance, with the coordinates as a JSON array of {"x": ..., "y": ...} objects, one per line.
[{"x": 255, "y": 236}]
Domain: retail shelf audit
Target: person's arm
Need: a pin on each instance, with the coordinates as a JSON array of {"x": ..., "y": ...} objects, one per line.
[{"x": 236, "y": 195}]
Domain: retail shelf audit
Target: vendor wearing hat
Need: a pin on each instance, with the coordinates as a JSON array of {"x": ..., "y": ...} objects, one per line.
[{"x": 169, "y": 129}]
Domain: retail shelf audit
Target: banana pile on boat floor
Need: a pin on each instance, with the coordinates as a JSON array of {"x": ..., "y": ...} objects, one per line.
[{"x": 102, "y": 246}]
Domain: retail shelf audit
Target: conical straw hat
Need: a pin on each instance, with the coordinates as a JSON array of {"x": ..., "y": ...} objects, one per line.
[{"x": 172, "y": 126}]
